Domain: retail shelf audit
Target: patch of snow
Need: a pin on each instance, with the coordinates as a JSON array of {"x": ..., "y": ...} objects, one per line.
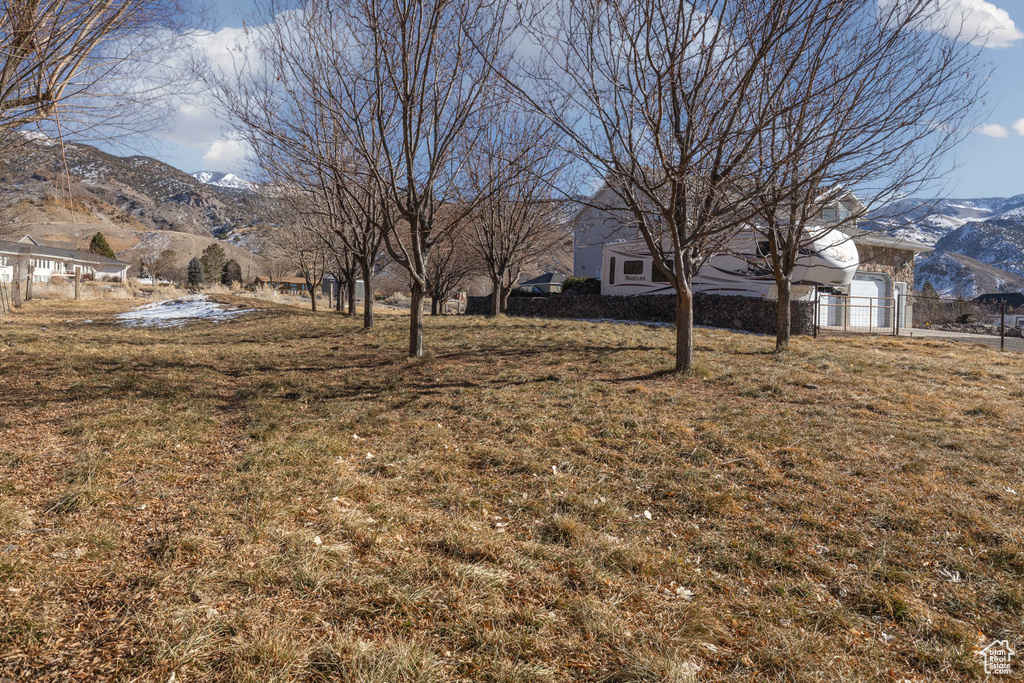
[
  {"x": 228, "y": 180},
  {"x": 40, "y": 137},
  {"x": 177, "y": 312}
]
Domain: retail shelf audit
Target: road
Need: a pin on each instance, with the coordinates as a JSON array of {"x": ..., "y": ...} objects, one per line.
[{"x": 1012, "y": 343}]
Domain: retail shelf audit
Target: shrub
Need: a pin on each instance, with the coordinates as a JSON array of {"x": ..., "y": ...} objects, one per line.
[{"x": 581, "y": 285}]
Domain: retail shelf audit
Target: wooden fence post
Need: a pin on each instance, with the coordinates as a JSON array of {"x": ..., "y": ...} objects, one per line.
[
  {"x": 78, "y": 282},
  {"x": 16, "y": 281}
]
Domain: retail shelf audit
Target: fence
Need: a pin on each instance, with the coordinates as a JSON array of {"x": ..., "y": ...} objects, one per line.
[
  {"x": 869, "y": 314},
  {"x": 988, "y": 315}
]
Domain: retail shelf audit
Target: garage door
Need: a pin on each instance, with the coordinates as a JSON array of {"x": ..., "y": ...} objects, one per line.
[{"x": 870, "y": 305}]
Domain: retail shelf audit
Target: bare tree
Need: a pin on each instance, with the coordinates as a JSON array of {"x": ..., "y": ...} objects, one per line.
[
  {"x": 665, "y": 102},
  {"x": 515, "y": 167},
  {"x": 303, "y": 243},
  {"x": 451, "y": 265},
  {"x": 285, "y": 109},
  {"x": 93, "y": 61},
  {"x": 414, "y": 77},
  {"x": 157, "y": 261},
  {"x": 874, "y": 104},
  {"x": 343, "y": 266}
]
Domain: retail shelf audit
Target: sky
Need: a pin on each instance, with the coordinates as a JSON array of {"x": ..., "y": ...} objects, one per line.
[{"x": 989, "y": 162}]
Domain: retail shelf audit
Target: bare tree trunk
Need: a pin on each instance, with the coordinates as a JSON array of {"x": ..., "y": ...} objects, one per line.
[
  {"x": 495, "y": 298},
  {"x": 416, "y": 321},
  {"x": 367, "y": 269},
  {"x": 352, "y": 298},
  {"x": 684, "y": 328},
  {"x": 505, "y": 293},
  {"x": 28, "y": 282},
  {"x": 78, "y": 282},
  {"x": 433, "y": 305},
  {"x": 312, "y": 297},
  {"x": 338, "y": 307},
  {"x": 784, "y": 318}
]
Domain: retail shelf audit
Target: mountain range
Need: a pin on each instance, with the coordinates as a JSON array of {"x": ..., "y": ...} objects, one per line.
[{"x": 978, "y": 243}]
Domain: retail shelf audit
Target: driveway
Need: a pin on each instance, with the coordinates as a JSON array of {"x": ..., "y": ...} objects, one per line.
[{"x": 1012, "y": 343}]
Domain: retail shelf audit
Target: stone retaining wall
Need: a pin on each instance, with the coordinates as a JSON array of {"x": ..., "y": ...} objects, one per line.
[{"x": 733, "y": 312}]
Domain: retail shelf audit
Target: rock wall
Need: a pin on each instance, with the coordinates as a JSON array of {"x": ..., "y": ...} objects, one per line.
[{"x": 733, "y": 312}]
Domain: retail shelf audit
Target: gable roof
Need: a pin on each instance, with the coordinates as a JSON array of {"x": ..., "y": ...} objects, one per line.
[
  {"x": 545, "y": 279},
  {"x": 33, "y": 248}
]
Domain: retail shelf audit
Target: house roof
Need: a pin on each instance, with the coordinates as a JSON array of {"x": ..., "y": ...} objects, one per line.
[
  {"x": 545, "y": 279},
  {"x": 33, "y": 248},
  {"x": 875, "y": 239},
  {"x": 281, "y": 280}
]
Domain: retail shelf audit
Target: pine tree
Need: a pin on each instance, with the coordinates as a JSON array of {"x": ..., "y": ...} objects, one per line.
[
  {"x": 928, "y": 291},
  {"x": 213, "y": 260},
  {"x": 99, "y": 245},
  {"x": 195, "y": 272},
  {"x": 232, "y": 273}
]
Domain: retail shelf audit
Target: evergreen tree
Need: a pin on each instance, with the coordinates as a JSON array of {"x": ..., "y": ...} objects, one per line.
[
  {"x": 232, "y": 273},
  {"x": 99, "y": 245},
  {"x": 929, "y": 291},
  {"x": 195, "y": 272},
  {"x": 213, "y": 260}
]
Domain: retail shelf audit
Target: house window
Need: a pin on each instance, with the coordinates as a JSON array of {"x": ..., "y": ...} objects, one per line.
[{"x": 633, "y": 268}]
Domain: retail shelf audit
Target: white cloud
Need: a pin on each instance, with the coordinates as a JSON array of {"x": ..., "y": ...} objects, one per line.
[
  {"x": 196, "y": 122},
  {"x": 226, "y": 154},
  {"x": 993, "y": 130},
  {"x": 1019, "y": 126},
  {"x": 976, "y": 21}
]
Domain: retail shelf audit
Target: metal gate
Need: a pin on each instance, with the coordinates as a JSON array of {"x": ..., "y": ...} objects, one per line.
[{"x": 863, "y": 314}]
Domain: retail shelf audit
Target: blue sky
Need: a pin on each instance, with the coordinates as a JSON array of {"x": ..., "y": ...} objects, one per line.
[{"x": 990, "y": 161}]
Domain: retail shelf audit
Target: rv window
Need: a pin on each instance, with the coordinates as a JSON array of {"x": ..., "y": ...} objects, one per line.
[
  {"x": 633, "y": 268},
  {"x": 762, "y": 248},
  {"x": 611, "y": 271},
  {"x": 656, "y": 274}
]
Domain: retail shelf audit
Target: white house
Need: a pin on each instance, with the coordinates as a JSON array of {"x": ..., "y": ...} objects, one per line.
[{"x": 51, "y": 264}]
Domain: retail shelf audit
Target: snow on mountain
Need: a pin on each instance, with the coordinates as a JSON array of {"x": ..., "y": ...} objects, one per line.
[
  {"x": 227, "y": 180},
  {"x": 979, "y": 243},
  {"x": 929, "y": 220},
  {"x": 956, "y": 275}
]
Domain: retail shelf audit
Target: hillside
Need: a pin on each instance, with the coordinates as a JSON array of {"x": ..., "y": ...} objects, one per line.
[
  {"x": 956, "y": 275},
  {"x": 281, "y": 498},
  {"x": 979, "y": 243},
  {"x": 139, "y": 203}
]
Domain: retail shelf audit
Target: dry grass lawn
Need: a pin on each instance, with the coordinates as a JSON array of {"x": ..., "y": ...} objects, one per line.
[{"x": 286, "y": 498}]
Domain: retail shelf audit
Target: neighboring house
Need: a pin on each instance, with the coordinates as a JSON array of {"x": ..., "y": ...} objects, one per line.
[
  {"x": 886, "y": 264},
  {"x": 548, "y": 283},
  {"x": 284, "y": 285},
  {"x": 53, "y": 264}
]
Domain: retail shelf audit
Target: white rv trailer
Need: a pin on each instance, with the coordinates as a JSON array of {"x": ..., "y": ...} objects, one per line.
[{"x": 741, "y": 269}]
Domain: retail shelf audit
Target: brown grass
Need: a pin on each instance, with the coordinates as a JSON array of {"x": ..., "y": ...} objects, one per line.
[{"x": 287, "y": 498}]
